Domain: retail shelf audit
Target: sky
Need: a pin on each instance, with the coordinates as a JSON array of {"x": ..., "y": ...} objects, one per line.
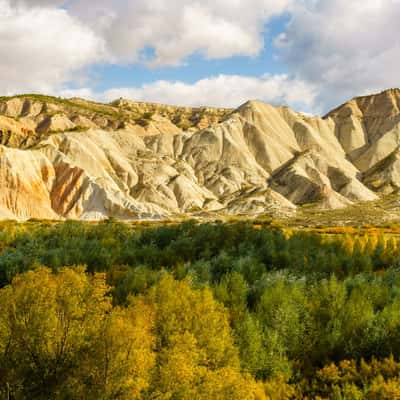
[{"x": 311, "y": 55}]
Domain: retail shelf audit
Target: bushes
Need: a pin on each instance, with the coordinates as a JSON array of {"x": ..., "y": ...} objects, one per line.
[{"x": 226, "y": 247}]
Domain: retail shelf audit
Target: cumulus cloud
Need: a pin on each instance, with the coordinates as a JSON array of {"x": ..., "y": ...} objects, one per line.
[
  {"x": 44, "y": 44},
  {"x": 177, "y": 29},
  {"x": 173, "y": 30},
  {"x": 42, "y": 48},
  {"x": 345, "y": 48},
  {"x": 219, "y": 91}
]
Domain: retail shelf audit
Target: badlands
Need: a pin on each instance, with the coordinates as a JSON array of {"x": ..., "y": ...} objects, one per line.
[{"x": 76, "y": 159}]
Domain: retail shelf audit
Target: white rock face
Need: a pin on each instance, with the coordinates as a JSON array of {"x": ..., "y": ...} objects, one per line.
[{"x": 258, "y": 159}]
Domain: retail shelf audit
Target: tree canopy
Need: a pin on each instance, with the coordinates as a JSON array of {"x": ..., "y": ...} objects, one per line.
[{"x": 197, "y": 311}]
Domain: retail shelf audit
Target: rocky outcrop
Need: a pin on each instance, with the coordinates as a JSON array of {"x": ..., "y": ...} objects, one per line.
[
  {"x": 16, "y": 134},
  {"x": 368, "y": 127},
  {"x": 309, "y": 178},
  {"x": 384, "y": 176},
  {"x": 55, "y": 123}
]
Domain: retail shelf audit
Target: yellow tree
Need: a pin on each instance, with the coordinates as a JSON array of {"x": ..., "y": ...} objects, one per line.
[
  {"x": 196, "y": 355},
  {"x": 121, "y": 358},
  {"x": 60, "y": 338},
  {"x": 229, "y": 383}
]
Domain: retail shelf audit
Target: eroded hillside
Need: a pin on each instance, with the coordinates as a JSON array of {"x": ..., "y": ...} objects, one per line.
[
  {"x": 78, "y": 159},
  {"x": 27, "y": 119}
]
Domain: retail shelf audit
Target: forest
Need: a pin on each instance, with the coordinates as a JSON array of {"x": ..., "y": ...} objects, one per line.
[{"x": 206, "y": 311}]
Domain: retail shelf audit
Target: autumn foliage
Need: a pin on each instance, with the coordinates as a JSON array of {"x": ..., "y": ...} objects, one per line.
[
  {"x": 197, "y": 311},
  {"x": 61, "y": 338}
]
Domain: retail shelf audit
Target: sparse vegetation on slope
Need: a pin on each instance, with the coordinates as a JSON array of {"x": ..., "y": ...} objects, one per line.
[{"x": 36, "y": 109}]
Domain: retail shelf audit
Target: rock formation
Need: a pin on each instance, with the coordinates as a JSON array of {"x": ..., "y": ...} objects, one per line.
[{"x": 78, "y": 159}]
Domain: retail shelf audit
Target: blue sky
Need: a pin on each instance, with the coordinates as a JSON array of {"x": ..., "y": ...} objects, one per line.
[
  {"x": 195, "y": 67},
  {"x": 309, "y": 54}
]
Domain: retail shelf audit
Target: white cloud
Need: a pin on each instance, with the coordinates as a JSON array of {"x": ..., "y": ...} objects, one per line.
[
  {"x": 219, "y": 91},
  {"x": 42, "y": 48},
  {"x": 176, "y": 29},
  {"x": 345, "y": 48}
]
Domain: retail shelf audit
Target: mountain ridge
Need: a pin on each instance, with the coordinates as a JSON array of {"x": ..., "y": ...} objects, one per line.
[{"x": 72, "y": 158}]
